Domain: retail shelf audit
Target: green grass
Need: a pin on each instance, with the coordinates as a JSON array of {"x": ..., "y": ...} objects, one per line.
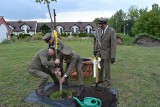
[{"x": 136, "y": 73}]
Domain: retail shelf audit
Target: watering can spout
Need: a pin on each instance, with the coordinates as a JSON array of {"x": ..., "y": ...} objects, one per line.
[{"x": 79, "y": 102}]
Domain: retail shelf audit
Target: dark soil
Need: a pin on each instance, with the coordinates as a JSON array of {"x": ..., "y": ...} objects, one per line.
[
  {"x": 108, "y": 99},
  {"x": 146, "y": 40}
]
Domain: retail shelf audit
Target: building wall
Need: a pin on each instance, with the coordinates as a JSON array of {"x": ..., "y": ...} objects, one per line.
[{"x": 4, "y": 30}]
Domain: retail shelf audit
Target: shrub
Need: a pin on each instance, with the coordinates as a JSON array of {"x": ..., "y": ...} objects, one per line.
[
  {"x": 22, "y": 36},
  {"x": 6, "y": 41},
  {"x": 36, "y": 37}
]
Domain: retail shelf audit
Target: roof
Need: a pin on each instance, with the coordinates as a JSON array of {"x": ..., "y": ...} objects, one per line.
[
  {"x": 67, "y": 25},
  {"x": 1, "y": 17},
  {"x": 17, "y": 24}
]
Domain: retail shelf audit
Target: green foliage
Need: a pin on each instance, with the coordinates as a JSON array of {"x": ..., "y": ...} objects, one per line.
[
  {"x": 65, "y": 34},
  {"x": 126, "y": 39},
  {"x": 136, "y": 21},
  {"x": 133, "y": 13},
  {"x": 82, "y": 35},
  {"x": 74, "y": 34},
  {"x": 148, "y": 22},
  {"x": 45, "y": 29},
  {"x": 23, "y": 36},
  {"x": 117, "y": 20},
  {"x": 6, "y": 41},
  {"x": 91, "y": 35},
  {"x": 60, "y": 94},
  {"x": 13, "y": 38},
  {"x": 45, "y": 1}
]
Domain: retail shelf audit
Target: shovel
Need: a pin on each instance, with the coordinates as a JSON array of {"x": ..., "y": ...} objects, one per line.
[{"x": 96, "y": 66}]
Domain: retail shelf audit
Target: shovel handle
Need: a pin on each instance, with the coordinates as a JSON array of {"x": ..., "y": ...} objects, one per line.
[{"x": 60, "y": 87}]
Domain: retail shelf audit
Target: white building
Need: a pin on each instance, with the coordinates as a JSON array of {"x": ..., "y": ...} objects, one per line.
[
  {"x": 4, "y": 30},
  {"x": 24, "y": 27}
]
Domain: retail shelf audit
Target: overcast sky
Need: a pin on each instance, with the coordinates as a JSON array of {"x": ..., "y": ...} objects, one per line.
[{"x": 68, "y": 10}]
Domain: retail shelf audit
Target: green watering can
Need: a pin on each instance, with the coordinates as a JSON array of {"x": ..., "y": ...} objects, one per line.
[{"x": 89, "y": 102}]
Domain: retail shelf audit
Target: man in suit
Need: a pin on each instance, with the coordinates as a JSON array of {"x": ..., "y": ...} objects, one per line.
[
  {"x": 41, "y": 66},
  {"x": 105, "y": 47},
  {"x": 73, "y": 61}
]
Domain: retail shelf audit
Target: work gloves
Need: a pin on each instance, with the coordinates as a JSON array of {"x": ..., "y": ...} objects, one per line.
[
  {"x": 94, "y": 53},
  {"x": 112, "y": 60}
]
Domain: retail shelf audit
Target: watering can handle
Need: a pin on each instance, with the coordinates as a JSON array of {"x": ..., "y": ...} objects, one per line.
[{"x": 100, "y": 103}]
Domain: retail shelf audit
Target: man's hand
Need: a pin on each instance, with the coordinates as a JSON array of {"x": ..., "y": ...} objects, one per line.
[
  {"x": 57, "y": 61},
  {"x": 95, "y": 53},
  {"x": 62, "y": 80},
  {"x": 57, "y": 71},
  {"x": 112, "y": 60}
]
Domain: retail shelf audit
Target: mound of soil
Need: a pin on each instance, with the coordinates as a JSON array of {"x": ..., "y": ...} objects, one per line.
[
  {"x": 146, "y": 40},
  {"x": 108, "y": 98},
  {"x": 119, "y": 40}
]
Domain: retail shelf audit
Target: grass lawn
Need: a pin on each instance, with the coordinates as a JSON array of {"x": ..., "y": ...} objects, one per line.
[{"x": 136, "y": 73}]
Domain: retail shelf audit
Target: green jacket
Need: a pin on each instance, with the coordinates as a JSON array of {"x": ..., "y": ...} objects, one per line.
[
  {"x": 106, "y": 43},
  {"x": 71, "y": 62},
  {"x": 42, "y": 59}
]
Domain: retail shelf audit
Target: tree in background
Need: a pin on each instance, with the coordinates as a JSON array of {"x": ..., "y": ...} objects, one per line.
[
  {"x": 148, "y": 22},
  {"x": 48, "y": 2},
  {"x": 136, "y": 21},
  {"x": 132, "y": 16},
  {"x": 45, "y": 29},
  {"x": 117, "y": 20}
]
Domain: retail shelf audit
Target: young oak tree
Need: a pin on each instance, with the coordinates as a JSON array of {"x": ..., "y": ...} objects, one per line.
[{"x": 47, "y": 2}]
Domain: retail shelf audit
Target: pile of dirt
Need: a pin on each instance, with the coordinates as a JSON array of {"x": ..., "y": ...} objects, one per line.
[
  {"x": 146, "y": 40},
  {"x": 108, "y": 98},
  {"x": 119, "y": 40}
]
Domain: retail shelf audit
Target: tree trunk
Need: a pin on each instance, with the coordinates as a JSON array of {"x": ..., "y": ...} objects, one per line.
[{"x": 50, "y": 16}]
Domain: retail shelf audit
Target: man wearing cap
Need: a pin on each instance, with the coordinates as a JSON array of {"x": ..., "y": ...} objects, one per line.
[
  {"x": 73, "y": 61},
  {"x": 105, "y": 47},
  {"x": 48, "y": 38},
  {"x": 41, "y": 66}
]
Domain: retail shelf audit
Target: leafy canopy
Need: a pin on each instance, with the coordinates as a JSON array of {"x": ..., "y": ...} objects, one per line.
[{"x": 45, "y": 1}]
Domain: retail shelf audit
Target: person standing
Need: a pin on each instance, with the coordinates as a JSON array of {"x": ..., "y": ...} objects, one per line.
[
  {"x": 105, "y": 47},
  {"x": 41, "y": 66}
]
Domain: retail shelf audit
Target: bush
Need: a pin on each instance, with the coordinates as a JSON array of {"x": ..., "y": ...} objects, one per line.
[
  {"x": 64, "y": 35},
  {"x": 36, "y": 37},
  {"x": 11, "y": 40},
  {"x": 6, "y": 41},
  {"x": 22, "y": 36}
]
